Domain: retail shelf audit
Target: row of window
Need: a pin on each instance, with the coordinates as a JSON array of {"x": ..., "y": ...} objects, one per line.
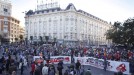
[
  {"x": 72, "y": 23},
  {"x": 13, "y": 35},
  {"x": 5, "y": 29}
]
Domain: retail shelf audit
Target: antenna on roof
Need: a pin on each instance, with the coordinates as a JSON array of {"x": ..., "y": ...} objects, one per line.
[
  {"x": 37, "y": 4},
  {"x": 51, "y": 4},
  {"x": 46, "y": 4}
]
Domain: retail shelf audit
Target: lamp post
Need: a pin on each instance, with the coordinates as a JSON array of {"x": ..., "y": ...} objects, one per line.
[
  {"x": 26, "y": 38},
  {"x": 64, "y": 39}
]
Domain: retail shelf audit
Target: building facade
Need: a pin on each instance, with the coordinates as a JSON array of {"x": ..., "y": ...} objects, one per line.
[
  {"x": 69, "y": 26},
  {"x": 5, "y": 7},
  {"x": 5, "y": 13},
  {"x": 9, "y": 26},
  {"x": 14, "y": 29},
  {"x": 22, "y": 32}
]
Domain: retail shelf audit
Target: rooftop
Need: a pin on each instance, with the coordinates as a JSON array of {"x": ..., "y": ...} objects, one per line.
[{"x": 70, "y": 6}]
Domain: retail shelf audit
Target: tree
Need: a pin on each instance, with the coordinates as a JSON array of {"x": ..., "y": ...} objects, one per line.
[
  {"x": 54, "y": 41},
  {"x": 16, "y": 39},
  {"x": 21, "y": 37},
  {"x": 115, "y": 33},
  {"x": 31, "y": 38},
  {"x": 129, "y": 32},
  {"x": 47, "y": 38},
  {"x": 41, "y": 38},
  {"x": 26, "y": 41},
  {"x": 122, "y": 33}
]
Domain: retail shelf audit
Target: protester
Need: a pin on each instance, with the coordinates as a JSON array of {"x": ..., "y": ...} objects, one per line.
[
  {"x": 66, "y": 72},
  {"x": 0, "y": 69},
  {"x": 72, "y": 71},
  {"x": 14, "y": 73},
  {"x": 22, "y": 68},
  {"x": 52, "y": 70},
  {"x": 37, "y": 70},
  {"x": 8, "y": 64},
  {"x": 105, "y": 64},
  {"x": 45, "y": 70},
  {"x": 32, "y": 68},
  {"x": 60, "y": 67},
  {"x": 23, "y": 52},
  {"x": 119, "y": 73},
  {"x": 12, "y": 68},
  {"x": 88, "y": 72},
  {"x": 78, "y": 67}
]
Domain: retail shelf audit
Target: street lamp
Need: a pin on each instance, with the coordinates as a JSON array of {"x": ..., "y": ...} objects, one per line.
[
  {"x": 64, "y": 39},
  {"x": 26, "y": 38}
]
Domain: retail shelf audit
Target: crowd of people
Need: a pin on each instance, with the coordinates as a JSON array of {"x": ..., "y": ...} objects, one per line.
[{"x": 18, "y": 57}]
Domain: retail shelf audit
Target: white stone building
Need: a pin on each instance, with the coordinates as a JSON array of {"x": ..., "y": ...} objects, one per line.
[{"x": 69, "y": 26}]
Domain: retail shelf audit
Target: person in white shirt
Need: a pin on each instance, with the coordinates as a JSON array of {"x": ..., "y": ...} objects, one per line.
[
  {"x": 45, "y": 70},
  {"x": 44, "y": 62}
]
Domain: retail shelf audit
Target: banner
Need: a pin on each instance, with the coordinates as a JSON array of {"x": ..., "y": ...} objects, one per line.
[
  {"x": 115, "y": 66},
  {"x": 79, "y": 59},
  {"x": 38, "y": 59},
  {"x": 56, "y": 59}
]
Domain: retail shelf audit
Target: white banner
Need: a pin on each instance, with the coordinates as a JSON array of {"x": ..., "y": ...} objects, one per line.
[
  {"x": 80, "y": 59},
  {"x": 36, "y": 57},
  {"x": 115, "y": 66}
]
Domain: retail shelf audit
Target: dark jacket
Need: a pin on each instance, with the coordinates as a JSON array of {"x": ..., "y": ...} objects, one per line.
[
  {"x": 37, "y": 71},
  {"x": 78, "y": 65},
  {"x": 88, "y": 72}
]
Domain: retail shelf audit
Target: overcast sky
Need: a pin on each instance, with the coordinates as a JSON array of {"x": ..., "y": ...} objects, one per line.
[{"x": 108, "y": 10}]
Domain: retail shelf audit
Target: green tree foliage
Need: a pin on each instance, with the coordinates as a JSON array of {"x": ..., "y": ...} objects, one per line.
[
  {"x": 16, "y": 39},
  {"x": 55, "y": 39},
  {"x": 31, "y": 38},
  {"x": 122, "y": 33},
  {"x": 47, "y": 38},
  {"x": 21, "y": 37},
  {"x": 40, "y": 38}
]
